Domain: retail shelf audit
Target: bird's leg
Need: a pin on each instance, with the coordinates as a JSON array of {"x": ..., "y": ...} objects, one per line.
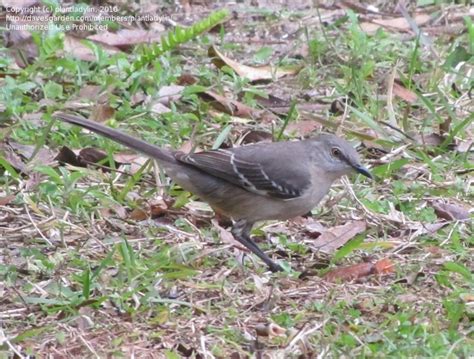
[{"x": 241, "y": 232}]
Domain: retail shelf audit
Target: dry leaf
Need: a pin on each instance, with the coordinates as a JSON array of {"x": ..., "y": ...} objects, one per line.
[
  {"x": 254, "y": 136},
  {"x": 465, "y": 146},
  {"x": 450, "y": 212},
  {"x": 118, "y": 209},
  {"x": 356, "y": 271},
  {"x": 335, "y": 237},
  {"x": 431, "y": 139},
  {"x": 44, "y": 156},
  {"x": 6, "y": 199},
  {"x": 138, "y": 98},
  {"x": 302, "y": 128},
  {"x": 314, "y": 228},
  {"x": 126, "y": 37},
  {"x": 188, "y": 146},
  {"x": 187, "y": 80},
  {"x": 84, "y": 157},
  {"x": 273, "y": 102},
  {"x": 396, "y": 23},
  {"x": 75, "y": 47},
  {"x": 138, "y": 214},
  {"x": 158, "y": 207},
  {"x": 92, "y": 155},
  {"x": 227, "y": 237},
  {"x": 12, "y": 158},
  {"x": 404, "y": 93},
  {"x": 90, "y": 92},
  {"x": 136, "y": 160},
  {"x": 21, "y": 47},
  {"x": 34, "y": 179},
  {"x": 252, "y": 73},
  {"x": 231, "y": 107},
  {"x": 159, "y": 108},
  {"x": 419, "y": 229},
  {"x": 171, "y": 93},
  {"x": 66, "y": 155},
  {"x": 102, "y": 112},
  {"x": 200, "y": 209}
]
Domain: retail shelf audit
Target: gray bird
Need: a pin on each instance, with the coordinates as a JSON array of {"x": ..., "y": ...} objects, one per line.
[{"x": 266, "y": 181}]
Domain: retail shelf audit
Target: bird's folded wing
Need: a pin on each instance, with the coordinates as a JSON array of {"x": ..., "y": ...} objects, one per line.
[{"x": 264, "y": 176}]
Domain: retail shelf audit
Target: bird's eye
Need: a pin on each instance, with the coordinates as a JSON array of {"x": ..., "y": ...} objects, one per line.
[{"x": 336, "y": 152}]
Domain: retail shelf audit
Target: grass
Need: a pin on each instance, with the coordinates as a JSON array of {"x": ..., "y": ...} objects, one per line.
[{"x": 81, "y": 276}]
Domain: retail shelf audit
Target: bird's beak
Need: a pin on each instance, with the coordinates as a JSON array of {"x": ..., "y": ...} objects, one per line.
[{"x": 363, "y": 171}]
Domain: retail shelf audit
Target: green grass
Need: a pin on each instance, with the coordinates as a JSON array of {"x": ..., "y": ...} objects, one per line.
[{"x": 80, "y": 276}]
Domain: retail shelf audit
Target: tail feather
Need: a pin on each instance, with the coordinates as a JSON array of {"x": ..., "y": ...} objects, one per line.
[{"x": 118, "y": 136}]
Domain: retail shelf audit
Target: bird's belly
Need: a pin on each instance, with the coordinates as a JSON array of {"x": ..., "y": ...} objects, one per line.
[
  {"x": 258, "y": 208},
  {"x": 239, "y": 203}
]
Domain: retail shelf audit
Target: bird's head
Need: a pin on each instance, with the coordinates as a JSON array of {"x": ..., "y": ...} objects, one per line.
[{"x": 338, "y": 157}]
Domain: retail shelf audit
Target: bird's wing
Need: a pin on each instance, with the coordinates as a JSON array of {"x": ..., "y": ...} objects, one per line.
[{"x": 258, "y": 171}]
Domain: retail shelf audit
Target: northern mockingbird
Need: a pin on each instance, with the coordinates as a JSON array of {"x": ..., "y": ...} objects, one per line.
[{"x": 266, "y": 181}]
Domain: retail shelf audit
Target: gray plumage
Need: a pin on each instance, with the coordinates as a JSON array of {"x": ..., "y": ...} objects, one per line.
[{"x": 279, "y": 180}]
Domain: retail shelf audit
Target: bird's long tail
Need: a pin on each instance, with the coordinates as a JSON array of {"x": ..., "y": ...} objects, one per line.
[{"x": 118, "y": 136}]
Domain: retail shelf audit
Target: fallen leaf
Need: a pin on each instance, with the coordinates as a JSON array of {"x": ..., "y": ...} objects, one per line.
[
  {"x": 404, "y": 93},
  {"x": 396, "y": 23},
  {"x": 76, "y": 48},
  {"x": 90, "y": 92},
  {"x": 159, "y": 108},
  {"x": 84, "y": 157},
  {"x": 430, "y": 139},
  {"x": 302, "y": 128},
  {"x": 138, "y": 98},
  {"x": 200, "y": 209},
  {"x": 314, "y": 228},
  {"x": 272, "y": 101},
  {"x": 356, "y": 271},
  {"x": 118, "y": 209},
  {"x": 254, "y": 136},
  {"x": 419, "y": 229},
  {"x": 66, "y": 155},
  {"x": 229, "y": 106},
  {"x": 187, "y": 79},
  {"x": 187, "y": 146},
  {"x": 138, "y": 214},
  {"x": 21, "y": 46},
  {"x": 335, "y": 237},
  {"x": 227, "y": 237},
  {"x": 126, "y": 37},
  {"x": 92, "y": 155},
  {"x": 158, "y": 207},
  {"x": 450, "y": 212},
  {"x": 251, "y": 73},
  {"x": 43, "y": 156},
  {"x": 465, "y": 146},
  {"x": 6, "y": 199},
  {"x": 135, "y": 160},
  {"x": 34, "y": 180},
  {"x": 171, "y": 93},
  {"x": 102, "y": 112}
]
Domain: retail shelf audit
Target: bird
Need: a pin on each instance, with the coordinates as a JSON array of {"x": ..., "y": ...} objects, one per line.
[{"x": 251, "y": 183}]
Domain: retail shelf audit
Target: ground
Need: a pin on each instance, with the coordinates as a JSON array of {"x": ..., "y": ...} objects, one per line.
[{"x": 101, "y": 256}]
